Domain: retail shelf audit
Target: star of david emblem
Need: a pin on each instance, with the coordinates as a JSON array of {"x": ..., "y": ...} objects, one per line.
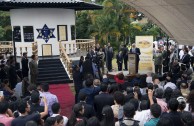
[{"x": 45, "y": 33}]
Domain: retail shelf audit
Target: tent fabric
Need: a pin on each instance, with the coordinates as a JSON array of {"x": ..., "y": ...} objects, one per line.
[{"x": 175, "y": 17}]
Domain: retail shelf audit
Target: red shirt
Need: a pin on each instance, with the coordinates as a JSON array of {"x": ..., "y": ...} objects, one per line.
[{"x": 118, "y": 80}]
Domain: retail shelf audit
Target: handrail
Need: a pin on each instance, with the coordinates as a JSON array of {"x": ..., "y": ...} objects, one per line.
[{"x": 65, "y": 59}]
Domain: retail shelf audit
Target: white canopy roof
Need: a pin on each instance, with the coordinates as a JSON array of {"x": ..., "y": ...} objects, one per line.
[{"x": 175, "y": 17}]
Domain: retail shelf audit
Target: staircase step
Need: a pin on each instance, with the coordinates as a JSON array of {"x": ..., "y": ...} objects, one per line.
[
  {"x": 63, "y": 81},
  {"x": 53, "y": 77},
  {"x": 44, "y": 71},
  {"x": 52, "y": 71}
]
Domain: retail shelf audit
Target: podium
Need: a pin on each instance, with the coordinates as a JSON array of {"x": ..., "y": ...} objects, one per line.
[{"x": 132, "y": 63}]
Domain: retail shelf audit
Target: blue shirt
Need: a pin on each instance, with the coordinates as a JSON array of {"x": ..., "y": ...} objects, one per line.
[{"x": 152, "y": 122}]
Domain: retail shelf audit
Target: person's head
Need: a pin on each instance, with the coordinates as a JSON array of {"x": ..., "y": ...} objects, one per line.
[
  {"x": 121, "y": 76},
  {"x": 82, "y": 96},
  {"x": 23, "y": 106},
  {"x": 104, "y": 87},
  {"x": 34, "y": 57},
  {"x": 31, "y": 88},
  {"x": 165, "y": 121},
  {"x": 183, "y": 85},
  {"x": 89, "y": 82},
  {"x": 129, "y": 110},
  {"x": 144, "y": 105},
  {"x": 56, "y": 109},
  {"x": 168, "y": 79},
  {"x": 135, "y": 103},
  {"x": 100, "y": 50},
  {"x": 31, "y": 123},
  {"x": 108, "y": 44},
  {"x": 96, "y": 82},
  {"x": 159, "y": 93},
  {"x": 155, "y": 110},
  {"x": 107, "y": 113},
  {"x": 45, "y": 87},
  {"x": 182, "y": 103},
  {"x": 50, "y": 121},
  {"x": 187, "y": 118},
  {"x": 168, "y": 93},
  {"x": 176, "y": 93},
  {"x": 25, "y": 54},
  {"x": 78, "y": 109},
  {"x": 119, "y": 97},
  {"x": 93, "y": 121},
  {"x": 186, "y": 50},
  {"x": 60, "y": 120},
  {"x": 173, "y": 104},
  {"x": 133, "y": 45},
  {"x": 35, "y": 97},
  {"x": 5, "y": 82},
  {"x": 3, "y": 107},
  {"x": 81, "y": 58},
  {"x": 113, "y": 88}
]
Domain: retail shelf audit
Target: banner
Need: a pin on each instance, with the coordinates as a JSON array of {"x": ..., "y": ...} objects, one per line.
[{"x": 145, "y": 44}]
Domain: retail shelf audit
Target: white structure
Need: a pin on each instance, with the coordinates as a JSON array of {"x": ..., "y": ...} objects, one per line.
[{"x": 45, "y": 21}]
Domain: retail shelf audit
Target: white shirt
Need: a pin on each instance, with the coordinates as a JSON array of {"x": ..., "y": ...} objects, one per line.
[
  {"x": 65, "y": 119},
  {"x": 149, "y": 80},
  {"x": 171, "y": 85},
  {"x": 18, "y": 89},
  {"x": 181, "y": 53},
  {"x": 190, "y": 53},
  {"x": 142, "y": 116}
]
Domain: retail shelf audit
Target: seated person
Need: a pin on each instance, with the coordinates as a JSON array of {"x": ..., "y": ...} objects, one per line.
[
  {"x": 6, "y": 89},
  {"x": 119, "y": 78}
]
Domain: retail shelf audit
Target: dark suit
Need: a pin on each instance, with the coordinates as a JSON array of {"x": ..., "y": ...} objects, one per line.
[
  {"x": 33, "y": 71},
  {"x": 91, "y": 92},
  {"x": 125, "y": 56},
  {"x": 137, "y": 52},
  {"x": 100, "y": 101},
  {"x": 119, "y": 61},
  {"x": 12, "y": 76},
  {"x": 88, "y": 110},
  {"x": 25, "y": 68},
  {"x": 186, "y": 60}
]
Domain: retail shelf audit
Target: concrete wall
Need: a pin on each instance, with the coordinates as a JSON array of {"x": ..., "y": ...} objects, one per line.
[{"x": 38, "y": 18}]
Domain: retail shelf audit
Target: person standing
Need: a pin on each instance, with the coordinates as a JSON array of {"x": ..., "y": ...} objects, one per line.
[
  {"x": 158, "y": 62},
  {"x": 186, "y": 58},
  {"x": 120, "y": 61},
  {"x": 33, "y": 69},
  {"x": 25, "y": 68},
  {"x": 109, "y": 56},
  {"x": 125, "y": 56},
  {"x": 12, "y": 74},
  {"x": 136, "y": 51}
]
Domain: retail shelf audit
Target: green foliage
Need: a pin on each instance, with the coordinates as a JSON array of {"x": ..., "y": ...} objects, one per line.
[
  {"x": 113, "y": 24},
  {"x": 5, "y": 26}
]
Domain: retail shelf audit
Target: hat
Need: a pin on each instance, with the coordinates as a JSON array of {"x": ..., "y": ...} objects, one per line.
[{"x": 181, "y": 99}]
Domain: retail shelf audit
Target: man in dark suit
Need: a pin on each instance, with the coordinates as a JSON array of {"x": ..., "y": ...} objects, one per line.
[
  {"x": 33, "y": 69},
  {"x": 90, "y": 91},
  {"x": 125, "y": 56},
  {"x": 137, "y": 52},
  {"x": 12, "y": 74},
  {"x": 88, "y": 109},
  {"x": 186, "y": 58},
  {"x": 25, "y": 68},
  {"x": 102, "y": 100},
  {"x": 119, "y": 61},
  {"x": 109, "y": 57}
]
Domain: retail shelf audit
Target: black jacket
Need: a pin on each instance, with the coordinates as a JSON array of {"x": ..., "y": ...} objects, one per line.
[
  {"x": 88, "y": 110},
  {"x": 100, "y": 101},
  {"x": 137, "y": 52}
]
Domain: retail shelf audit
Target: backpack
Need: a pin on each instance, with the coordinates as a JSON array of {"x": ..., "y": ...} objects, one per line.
[{"x": 136, "y": 123}]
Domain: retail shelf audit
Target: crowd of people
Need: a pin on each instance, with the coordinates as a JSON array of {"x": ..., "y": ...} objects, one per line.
[{"x": 157, "y": 99}]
